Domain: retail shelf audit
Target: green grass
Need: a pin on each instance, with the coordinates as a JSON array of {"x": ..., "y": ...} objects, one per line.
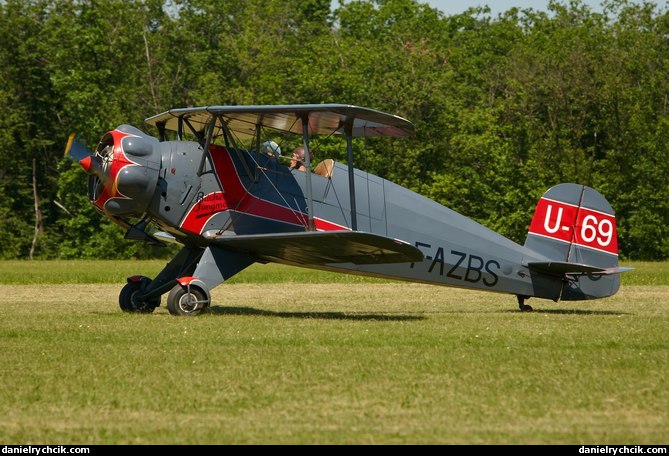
[
  {"x": 337, "y": 359},
  {"x": 646, "y": 273},
  {"x": 114, "y": 271}
]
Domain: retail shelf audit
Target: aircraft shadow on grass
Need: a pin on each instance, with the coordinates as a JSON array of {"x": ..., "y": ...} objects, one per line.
[
  {"x": 221, "y": 310},
  {"x": 579, "y": 312}
]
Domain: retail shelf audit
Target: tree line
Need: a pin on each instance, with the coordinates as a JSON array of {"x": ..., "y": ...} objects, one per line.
[{"x": 504, "y": 107}]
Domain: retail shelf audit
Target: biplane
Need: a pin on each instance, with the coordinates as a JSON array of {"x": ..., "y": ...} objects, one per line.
[{"x": 209, "y": 183}]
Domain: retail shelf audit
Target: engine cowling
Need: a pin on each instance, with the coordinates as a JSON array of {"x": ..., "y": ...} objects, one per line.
[{"x": 124, "y": 172}]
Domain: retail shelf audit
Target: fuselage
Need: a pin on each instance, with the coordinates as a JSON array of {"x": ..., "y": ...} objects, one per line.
[{"x": 247, "y": 193}]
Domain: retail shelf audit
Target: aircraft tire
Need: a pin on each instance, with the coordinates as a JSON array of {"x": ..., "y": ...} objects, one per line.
[
  {"x": 128, "y": 301},
  {"x": 187, "y": 301}
]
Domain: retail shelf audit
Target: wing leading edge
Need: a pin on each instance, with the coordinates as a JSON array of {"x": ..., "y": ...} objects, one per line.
[{"x": 322, "y": 247}]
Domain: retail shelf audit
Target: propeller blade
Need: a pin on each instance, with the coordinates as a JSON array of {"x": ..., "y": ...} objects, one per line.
[
  {"x": 76, "y": 150},
  {"x": 82, "y": 155}
]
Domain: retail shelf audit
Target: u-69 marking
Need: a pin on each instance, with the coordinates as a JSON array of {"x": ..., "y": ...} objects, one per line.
[{"x": 580, "y": 225}]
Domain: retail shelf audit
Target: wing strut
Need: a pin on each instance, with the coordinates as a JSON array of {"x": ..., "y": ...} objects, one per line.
[
  {"x": 205, "y": 146},
  {"x": 307, "y": 164},
  {"x": 199, "y": 135},
  {"x": 348, "y": 129}
]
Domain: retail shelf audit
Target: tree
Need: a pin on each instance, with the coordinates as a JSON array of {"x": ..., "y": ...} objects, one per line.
[
  {"x": 504, "y": 107},
  {"x": 27, "y": 124}
]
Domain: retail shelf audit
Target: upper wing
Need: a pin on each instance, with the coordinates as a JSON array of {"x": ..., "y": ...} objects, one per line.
[
  {"x": 318, "y": 247},
  {"x": 323, "y": 119}
]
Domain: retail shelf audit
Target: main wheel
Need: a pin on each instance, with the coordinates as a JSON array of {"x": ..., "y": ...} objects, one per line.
[
  {"x": 129, "y": 302},
  {"x": 190, "y": 301}
]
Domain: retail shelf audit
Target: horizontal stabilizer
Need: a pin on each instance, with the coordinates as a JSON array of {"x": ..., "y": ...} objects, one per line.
[
  {"x": 321, "y": 247},
  {"x": 563, "y": 267}
]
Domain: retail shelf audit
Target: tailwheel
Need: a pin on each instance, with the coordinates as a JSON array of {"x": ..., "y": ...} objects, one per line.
[
  {"x": 129, "y": 300},
  {"x": 188, "y": 300},
  {"x": 521, "y": 304}
]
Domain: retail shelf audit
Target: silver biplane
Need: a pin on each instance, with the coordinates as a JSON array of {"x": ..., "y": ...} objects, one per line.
[{"x": 231, "y": 199}]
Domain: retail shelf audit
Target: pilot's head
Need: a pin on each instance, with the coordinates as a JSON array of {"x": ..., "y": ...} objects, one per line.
[
  {"x": 271, "y": 148},
  {"x": 297, "y": 158}
]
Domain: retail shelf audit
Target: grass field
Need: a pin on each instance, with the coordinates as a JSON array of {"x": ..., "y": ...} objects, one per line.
[{"x": 296, "y": 356}]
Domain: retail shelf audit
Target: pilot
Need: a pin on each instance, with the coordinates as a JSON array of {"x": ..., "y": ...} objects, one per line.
[
  {"x": 272, "y": 149},
  {"x": 297, "y": 159}
]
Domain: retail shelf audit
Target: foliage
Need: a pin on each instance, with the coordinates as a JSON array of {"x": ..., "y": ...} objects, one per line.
[{"x": 504, "y": 107}]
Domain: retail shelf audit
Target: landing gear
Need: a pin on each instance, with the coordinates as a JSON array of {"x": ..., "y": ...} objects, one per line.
[
  {"x": 521, "y": 304},
  {"x": 128, "y": 298},
  {"x": 188, "y": 278},
  {"x": 188, "y": 300}
]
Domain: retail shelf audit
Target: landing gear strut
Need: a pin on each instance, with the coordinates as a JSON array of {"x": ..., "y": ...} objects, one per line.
[{"x": 521, "y": 303}]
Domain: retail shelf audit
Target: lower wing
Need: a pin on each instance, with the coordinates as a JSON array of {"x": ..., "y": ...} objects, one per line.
[{"x": 319, "y": 247}]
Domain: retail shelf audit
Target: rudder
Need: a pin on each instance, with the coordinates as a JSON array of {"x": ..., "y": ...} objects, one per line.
[{"x": 575, "y": 224}]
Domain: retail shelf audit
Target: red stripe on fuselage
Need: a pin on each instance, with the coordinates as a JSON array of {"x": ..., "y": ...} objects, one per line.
[
  {"x": 236, "y": 197},
  {"x": 324, "y": 225},
  {"x": 204, "y": 209}
]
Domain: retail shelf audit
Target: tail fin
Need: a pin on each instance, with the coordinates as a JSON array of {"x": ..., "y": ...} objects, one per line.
[{"x": 574, "y": 227}]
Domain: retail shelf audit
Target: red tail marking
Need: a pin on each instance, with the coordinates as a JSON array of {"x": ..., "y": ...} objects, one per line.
[
  {"x": 569, "y": 223},
  {"x": 596, "y": 230}
]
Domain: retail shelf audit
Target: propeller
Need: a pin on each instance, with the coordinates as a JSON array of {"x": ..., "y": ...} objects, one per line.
[
  {"x": 92, "y": 164},
  {"x": 123, "y": 170}
]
